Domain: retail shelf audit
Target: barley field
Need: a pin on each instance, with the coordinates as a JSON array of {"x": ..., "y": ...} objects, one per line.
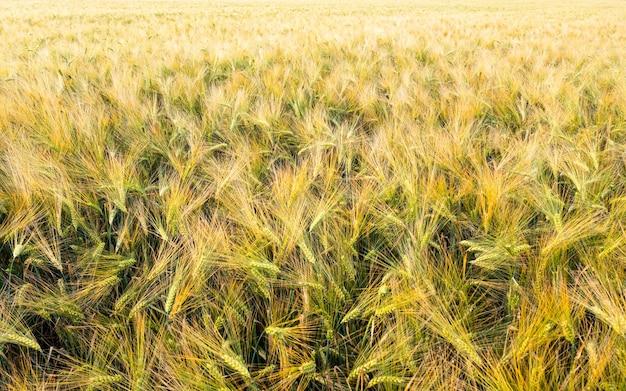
[{"x": 312, "y": 195}]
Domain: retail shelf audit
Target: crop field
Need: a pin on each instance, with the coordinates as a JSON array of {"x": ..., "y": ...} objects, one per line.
[{"x": 312, "y": 195}]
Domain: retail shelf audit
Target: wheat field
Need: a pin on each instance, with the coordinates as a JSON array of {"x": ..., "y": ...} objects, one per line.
[{"x": 312, "y": 195}]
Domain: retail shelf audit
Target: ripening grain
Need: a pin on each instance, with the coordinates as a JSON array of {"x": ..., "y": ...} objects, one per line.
[{"x": 312, "y": 196}]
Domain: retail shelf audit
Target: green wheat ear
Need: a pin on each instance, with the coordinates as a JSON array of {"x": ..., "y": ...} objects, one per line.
[
  {"x": 10, "y": 334},
  {"x": 513, "y": 297}
]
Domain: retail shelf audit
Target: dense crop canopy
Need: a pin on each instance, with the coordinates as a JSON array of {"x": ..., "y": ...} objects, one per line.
[{"x": 296, "y": 196}]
